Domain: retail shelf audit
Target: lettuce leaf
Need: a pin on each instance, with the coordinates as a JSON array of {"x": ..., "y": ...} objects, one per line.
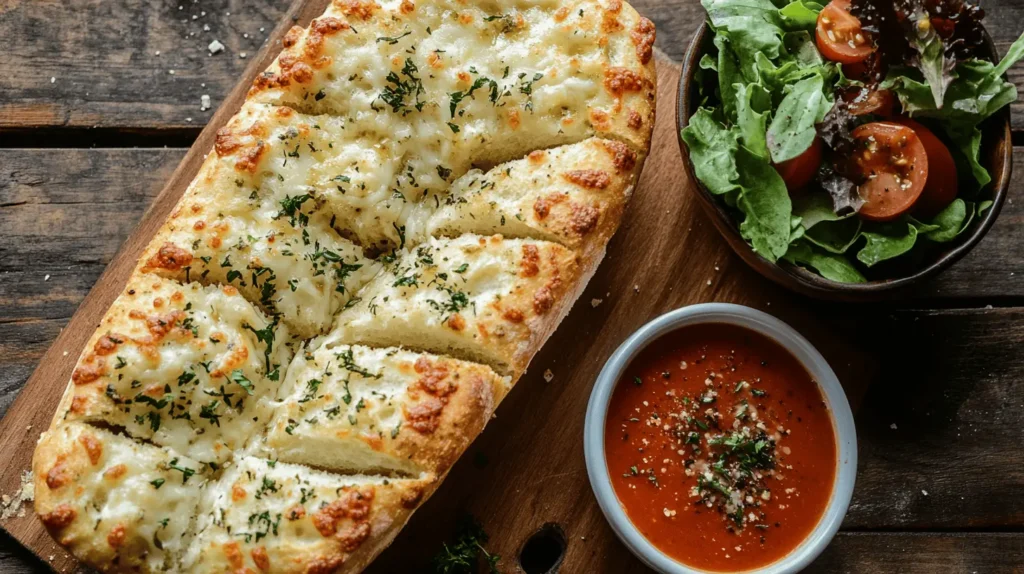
[
  {"x": 887, "y": 241},
  {"x": 750, "y": 25},
  {"x": 713, "y": 149},
  {"x": 792, "y": 129},
  {"x": 831, "y": 266},
  {"x": 765, "y": 204}
]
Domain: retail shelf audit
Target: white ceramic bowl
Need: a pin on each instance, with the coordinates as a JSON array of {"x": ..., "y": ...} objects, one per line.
[{"x": 842, "y": 419}]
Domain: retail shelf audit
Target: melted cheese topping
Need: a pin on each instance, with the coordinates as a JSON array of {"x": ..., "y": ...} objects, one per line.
[
  {"x": 272, "y": 516},
  {"x": 476, "y": 298},
  {"x": 573, "y": 195},
  {"x": 119, "y": 504},
  {"x": 439, "y": 86},
  {"x": 187, "y": 367},
  {"x": 269, "y": 238},
  {"x": 359, "y": 409}
]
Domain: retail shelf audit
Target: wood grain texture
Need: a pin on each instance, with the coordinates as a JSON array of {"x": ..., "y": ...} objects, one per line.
[{"x": 102, "y": 55}]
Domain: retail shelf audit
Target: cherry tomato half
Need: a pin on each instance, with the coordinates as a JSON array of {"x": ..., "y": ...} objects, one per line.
[
  {"x": 894, "y": 164},
  {"x": 839, "y": 34},
  {"x": 800, "y": 171},
  {"x": 940, "y": 188}
]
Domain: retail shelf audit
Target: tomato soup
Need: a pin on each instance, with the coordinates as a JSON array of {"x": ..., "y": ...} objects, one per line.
[{"x": 720, "y": 447}]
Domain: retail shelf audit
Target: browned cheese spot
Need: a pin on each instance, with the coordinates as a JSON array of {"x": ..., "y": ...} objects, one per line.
[{"x": 588, "y": 178}]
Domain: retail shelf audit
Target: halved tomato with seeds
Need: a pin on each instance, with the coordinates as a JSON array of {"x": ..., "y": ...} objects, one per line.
[
  {"x": 894, "y": 164},
  {"x": 839, "y": 35},
  {"x": 941, "y": 187}
]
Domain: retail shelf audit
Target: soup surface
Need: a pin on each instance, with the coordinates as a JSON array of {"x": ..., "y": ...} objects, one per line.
[{"x": 721, "y": 448}]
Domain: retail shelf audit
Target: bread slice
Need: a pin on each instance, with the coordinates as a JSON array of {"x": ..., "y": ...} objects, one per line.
[
  {"x": 278, "y": 250},
  {"x": 362, "y": 177},
  {"x": 391, "y": 411},
  {"x": 482, "y": 82},
  {"x": 184, "y": 366},
  {"x": 573, "y": 195},
  {"x": 265, "y": 516},
  {"x": 488, "y": 300},
  {"x": 117, "y": 504}
]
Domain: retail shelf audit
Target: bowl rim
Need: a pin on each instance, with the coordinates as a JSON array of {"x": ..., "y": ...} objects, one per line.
[
  {"x": 807, "y": 282},
  {"x": 765, "y": 324}
]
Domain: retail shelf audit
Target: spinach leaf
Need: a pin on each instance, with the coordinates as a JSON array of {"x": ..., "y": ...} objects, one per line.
[
  {"x": 831, "y": 266},
  {"x": 801, "y": 46},
  {"x": 814, "y": 208},
  {"x": 751, "y": 25},
  {"x": 835, "y": 236},
  {"x": 792, "y": 129},
  {"x": 766, "y": 205},
  {"x": 950, "y": 221},
  {"x": 728, "y": 76},
  {"x": 753, "y": 104},
  {"x": 886, "y": 241},
  {"x": 713, "y": 150}
]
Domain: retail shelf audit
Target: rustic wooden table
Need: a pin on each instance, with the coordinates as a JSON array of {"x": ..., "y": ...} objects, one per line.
[{"x": 99, "y": 100}]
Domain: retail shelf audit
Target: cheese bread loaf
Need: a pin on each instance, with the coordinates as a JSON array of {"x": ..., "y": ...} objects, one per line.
[{"x": 409, "y": 201}]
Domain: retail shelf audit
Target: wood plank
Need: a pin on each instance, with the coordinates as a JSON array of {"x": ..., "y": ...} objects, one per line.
[
  {"x": 102, "y": 57},
  {"x": 107, "y": 73},
  {"x": 950, "y": 383},
  {"x": 925, "y": 553}
]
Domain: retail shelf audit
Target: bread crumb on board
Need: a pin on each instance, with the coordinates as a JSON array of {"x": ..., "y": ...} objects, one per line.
[{"x": 14, "y": 505}]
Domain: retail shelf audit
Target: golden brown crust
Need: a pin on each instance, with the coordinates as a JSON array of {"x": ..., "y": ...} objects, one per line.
[
  {"x": 421, "y": 298},
  {"x": 391, "y": 411},
  {"x": 106, "y": 497}
]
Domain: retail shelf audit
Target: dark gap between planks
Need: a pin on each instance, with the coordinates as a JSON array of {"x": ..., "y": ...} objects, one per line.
[{"x": 76, "y": 137}]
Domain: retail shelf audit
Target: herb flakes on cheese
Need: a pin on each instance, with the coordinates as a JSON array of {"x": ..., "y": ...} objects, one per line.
[
  {"x": 188, "y": 367},
  {"x": 341, "y": 406},
  {"x": 118, "y": 504}
]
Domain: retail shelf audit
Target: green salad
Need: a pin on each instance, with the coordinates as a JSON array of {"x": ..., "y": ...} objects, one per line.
[{"x": 848, "y": 135}]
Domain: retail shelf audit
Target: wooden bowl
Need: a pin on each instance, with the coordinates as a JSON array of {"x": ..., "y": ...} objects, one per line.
[{"x": 892, "y": 279}]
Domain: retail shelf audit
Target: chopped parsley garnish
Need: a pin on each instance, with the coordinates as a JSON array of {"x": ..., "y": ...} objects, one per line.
[
  {"x": 239, "y": 378},
  {"x": 291, "y": 208},
  {"x": 186, "y": 473},
  {"x": 265, "y": 336},
  {"x": 399, "y": 90},
  {"x": 463, "y": 554}
]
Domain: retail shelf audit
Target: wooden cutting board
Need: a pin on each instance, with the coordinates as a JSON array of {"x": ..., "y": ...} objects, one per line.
[{"x": 527, "y": 469}]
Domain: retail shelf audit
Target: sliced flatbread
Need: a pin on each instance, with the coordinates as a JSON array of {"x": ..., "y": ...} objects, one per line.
[
  {"x": 573, "y": 195},
  {"x": 276, "y": 248},
  {"x": 475, "y": 82},
  {"x": 264, "y": 516},
  {"x": 117, "y": 504},
  {"x": 184, "y": 366},
  {"x": 357, "y": 409},
  {"x": 488, "y": 300}
]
